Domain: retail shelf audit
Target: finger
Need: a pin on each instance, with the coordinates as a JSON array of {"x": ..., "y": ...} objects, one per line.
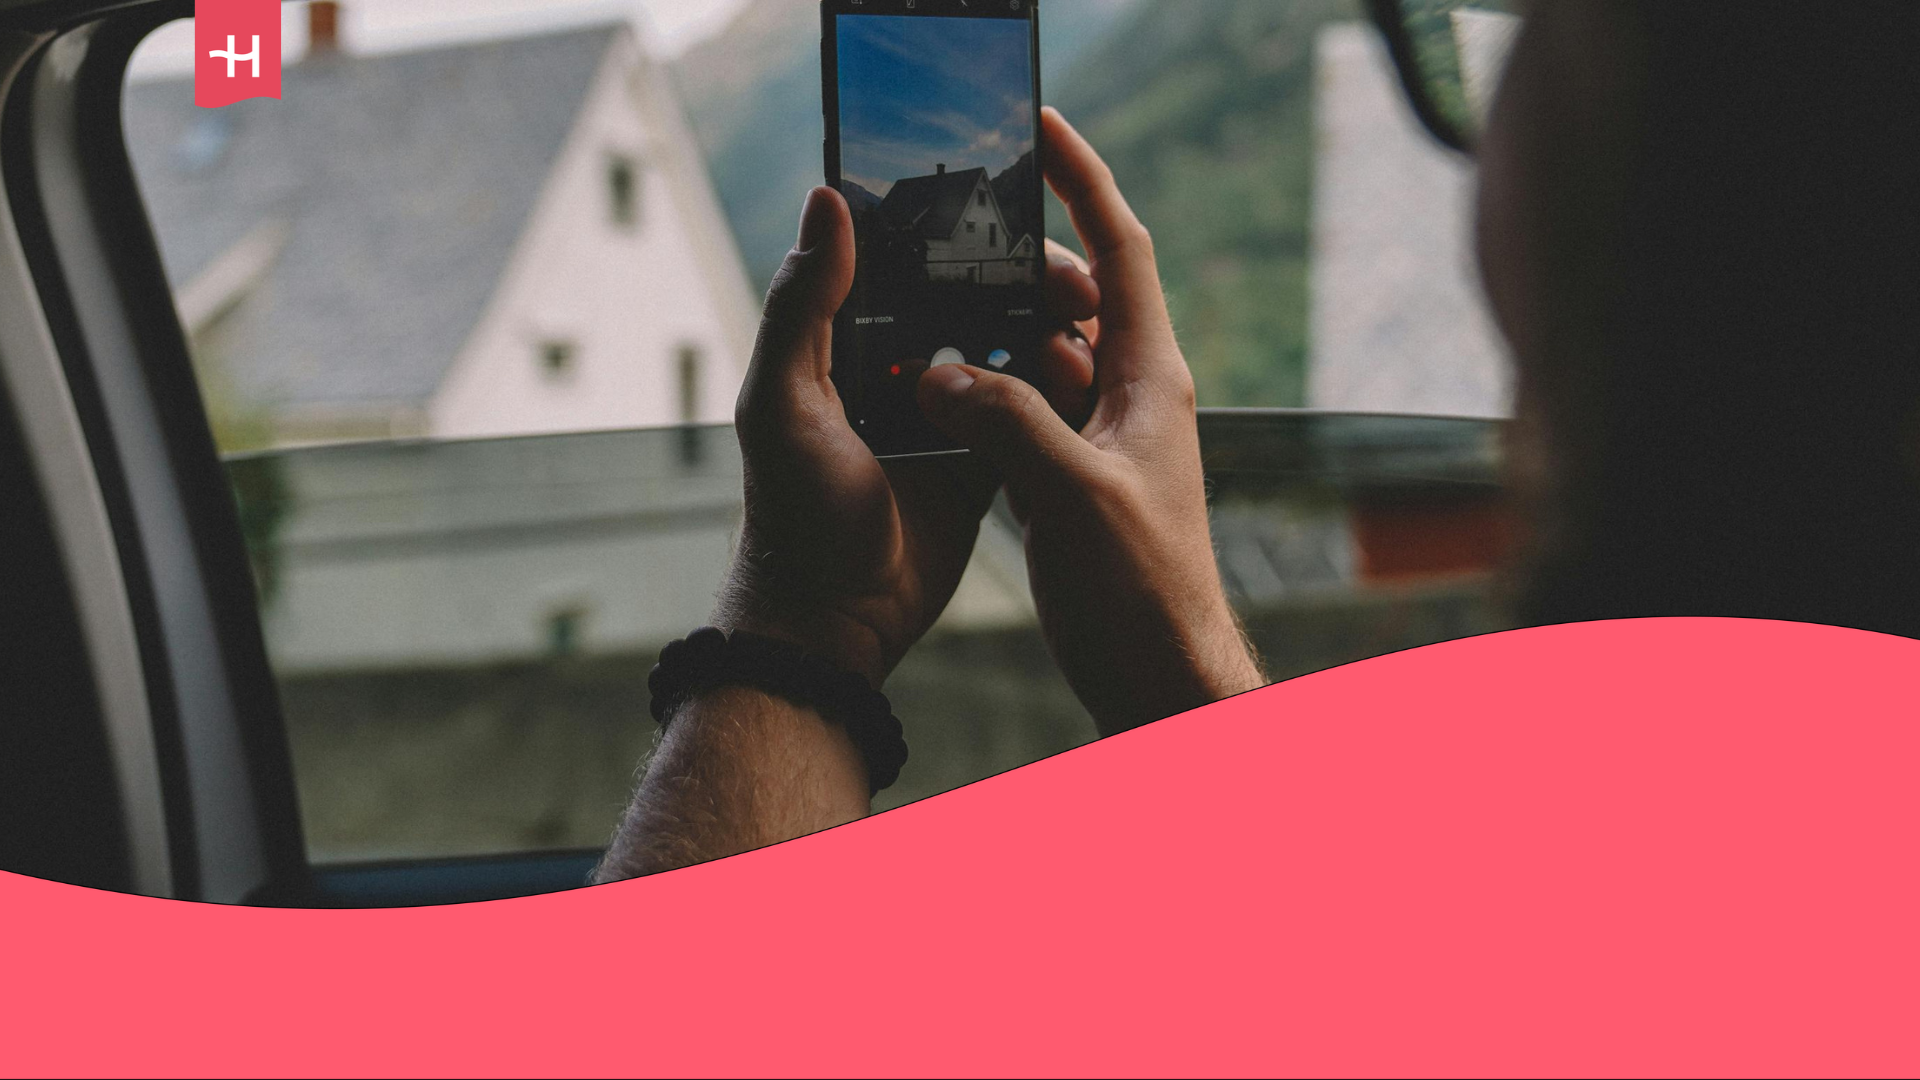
[
  {"x": 1072, "y": 295},
  {"x": 1017, "y": 502},
  {"x": 1087, "y": 325},
  {"x": 1118, "y": 245},
  {"x": 1066, "y": 377},
  {"x": 1058, "y": 250},
  {"x": 795, "y": 346},
  {"x": 1008, "y": 423}
]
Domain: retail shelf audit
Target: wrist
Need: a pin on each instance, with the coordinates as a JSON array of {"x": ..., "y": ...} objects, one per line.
[
  {"x": 712, "y": 659},
  {"x": 819, "y": 629},
  {"x": 743, "y": 720},
  {"x": 1228, "y": 664}
]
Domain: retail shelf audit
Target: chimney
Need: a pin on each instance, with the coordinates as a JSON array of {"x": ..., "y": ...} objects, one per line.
[
  {"x": 323, "y": 27},
  {"x": 940, "y": 170}
]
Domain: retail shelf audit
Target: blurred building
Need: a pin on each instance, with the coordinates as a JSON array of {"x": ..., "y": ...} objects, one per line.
[
  {"x": 1399, "y": 324},
  {"x": 503, "y": 238},
  {"x": 447, "y": 555}
]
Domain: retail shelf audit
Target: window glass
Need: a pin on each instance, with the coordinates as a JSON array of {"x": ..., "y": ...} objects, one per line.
[
  {"x": 1314, "y": 239},
  {"x": 689, "y": 384},
  {"x": 557, "y": 358},
  {"x": 462, "y": 617},
  {"x": 623, "y": 180},
  {"x": 463, "y": 631}
]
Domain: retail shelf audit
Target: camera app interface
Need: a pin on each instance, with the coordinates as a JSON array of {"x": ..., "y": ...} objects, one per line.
[{"x": 937, "y": 161}]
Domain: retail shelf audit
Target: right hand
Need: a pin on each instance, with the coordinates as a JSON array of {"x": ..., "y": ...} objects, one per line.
[{"x": 1118, "y": 546}]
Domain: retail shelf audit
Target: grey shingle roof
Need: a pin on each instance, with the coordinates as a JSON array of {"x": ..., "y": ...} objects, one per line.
[
  {"x": 404, "y": 182},
  {"x": 931, "y": 205}
]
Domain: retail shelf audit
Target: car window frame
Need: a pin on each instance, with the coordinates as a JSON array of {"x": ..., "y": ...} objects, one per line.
[{"x": 232, "y": 827}]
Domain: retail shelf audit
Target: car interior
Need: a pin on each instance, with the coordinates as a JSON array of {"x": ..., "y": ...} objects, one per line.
[{"x": 184, "y": 714}]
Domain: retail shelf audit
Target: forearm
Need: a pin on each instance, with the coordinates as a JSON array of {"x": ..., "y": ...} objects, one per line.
[
  {"x": 1141, "y": 641},
  {"x": 1195, "y": 663},
  {"x": 737, "y": 770}
]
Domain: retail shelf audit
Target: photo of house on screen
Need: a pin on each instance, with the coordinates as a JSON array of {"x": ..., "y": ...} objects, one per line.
[
  {"x": 966, "y": 232},
  {"x": 937, "y": 155}
]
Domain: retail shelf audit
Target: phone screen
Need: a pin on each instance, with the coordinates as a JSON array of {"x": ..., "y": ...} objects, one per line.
[{"x": 933, "y": 110}]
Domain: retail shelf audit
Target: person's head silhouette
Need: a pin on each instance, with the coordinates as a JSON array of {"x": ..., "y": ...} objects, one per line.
[{"x": 1700, "y": 233}]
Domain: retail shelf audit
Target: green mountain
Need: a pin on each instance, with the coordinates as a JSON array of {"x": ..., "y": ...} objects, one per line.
[
  {"x": 752, "y": 93},
  {"x": 1204, "y": 108}
]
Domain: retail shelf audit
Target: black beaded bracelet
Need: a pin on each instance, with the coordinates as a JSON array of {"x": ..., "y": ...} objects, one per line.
[{"x": 710, "y": 658}]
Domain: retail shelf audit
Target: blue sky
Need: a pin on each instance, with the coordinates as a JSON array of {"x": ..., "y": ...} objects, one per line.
[{"x": 920, "y": 91}]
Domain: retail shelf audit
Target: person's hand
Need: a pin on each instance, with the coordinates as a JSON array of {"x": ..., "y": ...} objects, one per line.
[
  {"x": 1118, "y": 545},
  {"x": 852, "y": 558},
  {"x": 848, "y": 557}
]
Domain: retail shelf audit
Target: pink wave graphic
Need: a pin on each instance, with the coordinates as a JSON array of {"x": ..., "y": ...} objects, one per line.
[{"x": 1679, "y": 847}]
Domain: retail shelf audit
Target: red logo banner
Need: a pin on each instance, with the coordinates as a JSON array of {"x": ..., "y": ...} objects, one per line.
[{"x": 236, "y": 51}]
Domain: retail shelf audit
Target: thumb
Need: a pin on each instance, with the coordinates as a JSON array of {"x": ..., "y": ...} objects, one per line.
[
  {"x": 796, "y": 331},
  {"x": 1008, "y": 423}
]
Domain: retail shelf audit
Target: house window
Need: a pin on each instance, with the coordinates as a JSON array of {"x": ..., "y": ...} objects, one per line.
[
  {"x": 206, "y": 139},
  {"x": 558, "y": 359},
  {"x": 623, "y": 191},
  {"x": 993, "y": 235},
  {"x": 691, "y": 450},
  {"x": 973, "y": 226},
  {"x": 983, "y": 196},
  {"x": 563, "y": 632}
]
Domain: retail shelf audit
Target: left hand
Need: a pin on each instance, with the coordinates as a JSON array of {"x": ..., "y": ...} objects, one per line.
[
  {"x": 852, "y": 558},
  {"x": 1119, "y": 550}
]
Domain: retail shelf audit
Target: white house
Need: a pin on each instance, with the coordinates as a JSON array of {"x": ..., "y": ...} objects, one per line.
[
  {"x": 958, "y": 215},
  {"x": 1399, "y": 323},
  {"x": 503, "y": 238}
]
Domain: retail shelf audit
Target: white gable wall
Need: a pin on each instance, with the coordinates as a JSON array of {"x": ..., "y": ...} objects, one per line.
[
  {"x": 1399, "y": 324},
  {"x": 951, "y": 258},
  {"x": 627, "y": 299}
]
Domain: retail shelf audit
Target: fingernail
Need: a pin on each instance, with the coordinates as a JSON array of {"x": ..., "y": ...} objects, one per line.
[
  {"x": 943, "y": 386},
  {"x": 814, "y": 220}
]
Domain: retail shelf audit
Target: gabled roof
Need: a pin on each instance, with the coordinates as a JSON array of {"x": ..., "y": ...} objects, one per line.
[
  {"x": 932, "y": 205},
  {"x": 402, "y": 183}
]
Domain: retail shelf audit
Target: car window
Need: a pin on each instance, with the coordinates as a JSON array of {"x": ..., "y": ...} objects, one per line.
[
  {"x": 462, "y": 630},
  {"x": 1314, "y": 239},
  {"x": 468, "y": 311}
]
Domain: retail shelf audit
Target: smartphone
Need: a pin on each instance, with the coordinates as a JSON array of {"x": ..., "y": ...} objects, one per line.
[{"x": 933, "y": 135}]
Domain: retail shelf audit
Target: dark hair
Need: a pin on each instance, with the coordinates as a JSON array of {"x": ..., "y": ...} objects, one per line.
[{"x": 1744, "y": 433}]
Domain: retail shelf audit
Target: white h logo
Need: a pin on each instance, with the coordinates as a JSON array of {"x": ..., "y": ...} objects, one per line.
[{"x": 230, "y": 56}]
